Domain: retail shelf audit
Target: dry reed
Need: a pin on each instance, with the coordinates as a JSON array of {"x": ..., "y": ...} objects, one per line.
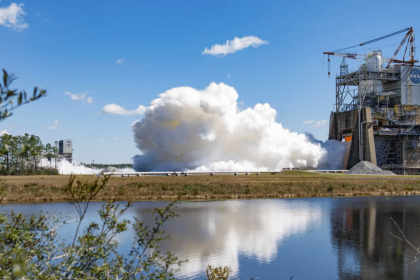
[{"x": 287, "y": 184}]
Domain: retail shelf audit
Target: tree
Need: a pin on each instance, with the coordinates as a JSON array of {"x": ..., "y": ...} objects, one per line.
[
  {"x": 56, "y": 151},
  {"x": 23, "y": 150},
  {"x": 48, "y": 152},
  {"x": 21, "y": 154},
  {"x": 10, "y": 99},
  {"x": 35, "y": 149},
  {"x": 5, "y": 143},
  {"x": 14, "y": 152}
]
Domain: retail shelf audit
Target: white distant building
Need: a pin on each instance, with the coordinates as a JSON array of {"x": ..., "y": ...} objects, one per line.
[{"x": 65, "y": 148}]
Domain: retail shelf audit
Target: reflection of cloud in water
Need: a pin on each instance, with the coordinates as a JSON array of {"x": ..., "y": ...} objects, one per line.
[{"x": 217, "y": 233}]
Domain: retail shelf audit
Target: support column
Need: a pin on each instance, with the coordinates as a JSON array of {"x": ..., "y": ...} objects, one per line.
[
  {"x": 367, "y": 140},
  {"x": 333, "y": 127}
]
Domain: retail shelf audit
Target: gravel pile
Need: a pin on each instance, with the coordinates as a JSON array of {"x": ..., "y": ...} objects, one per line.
[
  {"x": 368, "y": 168},
  {"x": 387, "y": 172}
]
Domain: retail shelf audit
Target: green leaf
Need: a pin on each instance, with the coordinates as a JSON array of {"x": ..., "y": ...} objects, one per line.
[
  {"x": 5, "y": 78},
  {"x": 10, "y": 93},
  {"x": 5, "y": 114}
]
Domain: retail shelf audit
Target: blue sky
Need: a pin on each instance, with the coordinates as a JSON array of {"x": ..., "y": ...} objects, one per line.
[{"x": 73, "y": 46}]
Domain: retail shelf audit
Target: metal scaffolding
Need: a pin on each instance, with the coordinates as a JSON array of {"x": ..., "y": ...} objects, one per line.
[{"x": 350, "y": 91}]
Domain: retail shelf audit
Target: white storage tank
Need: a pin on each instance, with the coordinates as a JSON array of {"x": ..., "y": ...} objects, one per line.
[{"x": 374, "y": 61}]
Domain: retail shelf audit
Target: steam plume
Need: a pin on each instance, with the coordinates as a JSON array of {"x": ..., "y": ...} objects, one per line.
[
  {"x": 189, "y": 129},
  {"x": 67, "y": 168}
]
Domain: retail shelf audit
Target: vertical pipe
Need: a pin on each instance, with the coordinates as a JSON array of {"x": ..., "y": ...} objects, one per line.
[
  {"x": 404, "y": 156},
  {"x": 360, "y": 135},
  {"x": 360, "y": 118}
]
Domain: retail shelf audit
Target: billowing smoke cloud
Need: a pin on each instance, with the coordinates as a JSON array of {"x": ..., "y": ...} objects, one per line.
[
  {"x": 189, "y": 129},
  {"x": 336, "y": 151}
]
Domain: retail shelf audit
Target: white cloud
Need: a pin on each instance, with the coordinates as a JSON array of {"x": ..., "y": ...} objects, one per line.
[
  {"x": 12, "y": 16},
  {"x": 101, "y": 139},
  {"x": 4, "y": 131},
  {"x": 89, "y": 100},
  {"x": 228, "y": 76},
  {"x": 320, "y": 123},
  {"x": 78, "y": 96},
  {"x": 235, "y": 45},
  {"x": 120, "y": 60},
  {"x": 315, "y": 124},
  {"x": 118, "y": 110},
  {"x": 53, "y": 126},
  {"x": 119, "y": 139}
]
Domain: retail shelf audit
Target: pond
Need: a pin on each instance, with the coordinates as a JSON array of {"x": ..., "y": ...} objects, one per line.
[{"x": 307, "y": 238}]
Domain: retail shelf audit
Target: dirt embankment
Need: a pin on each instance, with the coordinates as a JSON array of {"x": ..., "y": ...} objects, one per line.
[{"x": 284, "y": 185}]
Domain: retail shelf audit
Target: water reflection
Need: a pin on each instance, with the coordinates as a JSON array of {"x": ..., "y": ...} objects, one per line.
[
  {"x": 309, "y": 238},
  {"x": 361, "y": 235},
  {"x": 218, "y": 233}
]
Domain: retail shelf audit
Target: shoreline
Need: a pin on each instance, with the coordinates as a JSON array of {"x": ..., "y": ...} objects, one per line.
[
  {"x": 197, "y": 199},
  {"x": 289, "y": 184}
]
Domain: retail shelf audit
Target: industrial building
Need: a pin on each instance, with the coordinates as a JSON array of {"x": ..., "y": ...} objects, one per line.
[
  {"x": 377, "y": 107},
  {"x": 65, "y": 149}
]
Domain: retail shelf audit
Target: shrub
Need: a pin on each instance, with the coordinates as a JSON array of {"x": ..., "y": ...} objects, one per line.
[{"x": 30, "y": 247}]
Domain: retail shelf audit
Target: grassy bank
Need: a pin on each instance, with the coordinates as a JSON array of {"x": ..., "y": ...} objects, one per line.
[{"x": 286, "y": 184}]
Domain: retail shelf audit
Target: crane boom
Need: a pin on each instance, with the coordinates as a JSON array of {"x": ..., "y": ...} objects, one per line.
[
  {"x": 347, "y": 55},
  {"x": 375, "y": 40},
  {"x": 358, "y": 56},
  {"x": 409, "y": 35}
]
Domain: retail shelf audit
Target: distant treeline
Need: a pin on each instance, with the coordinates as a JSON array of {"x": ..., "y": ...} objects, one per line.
[
  {"x": 23, "y": 154},
  {"x": 101, "y": 166}
]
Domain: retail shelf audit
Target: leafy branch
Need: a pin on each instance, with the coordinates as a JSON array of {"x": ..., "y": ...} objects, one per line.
[{"x": 10, "y": 99}]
